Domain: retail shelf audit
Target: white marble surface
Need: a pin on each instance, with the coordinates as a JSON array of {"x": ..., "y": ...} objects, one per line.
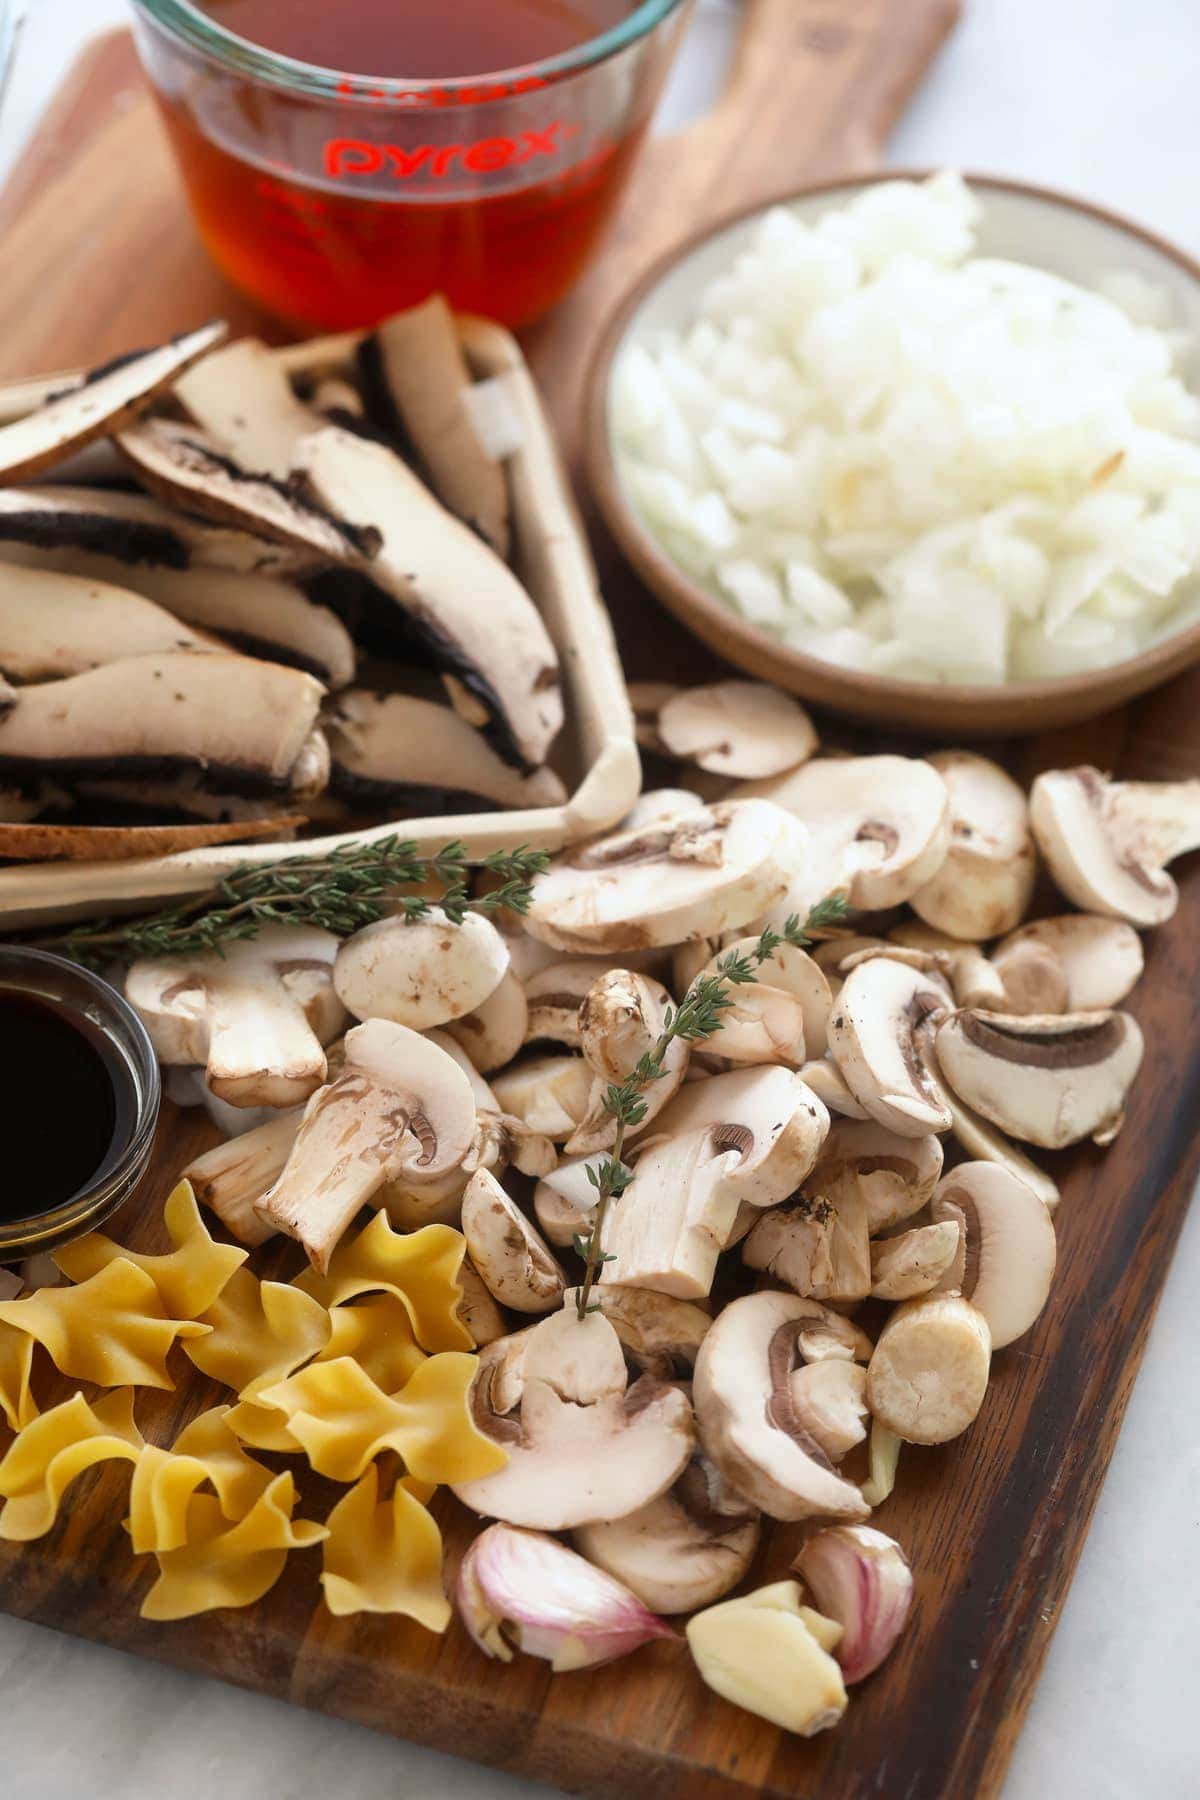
[{"x": 1094, "y": 95}]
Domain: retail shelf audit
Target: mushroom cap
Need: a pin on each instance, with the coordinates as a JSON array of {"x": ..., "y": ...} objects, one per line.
[
  {"x": 693, "y": 876},
  {"x": 420, "y": 972},
  {"x": 656, "y": 804},
  {"x": 514, "y": 1264},
  {"x": 880, "y": 825},
  {"x": 678, "y": 1552},
  {"x": 1076, "y": 962},
  {"x": 550, "y": 1094},
  {"x": 621, "y": 1019},
  {"x": 929, "y": 1371},
  {"x": 582, "y": 1448},
  {"x": 814, "y": 1247},
  {"x": 1050, "y": 1081},
  {"x": 783, "y": 1016},
  {"x": 892, "y": 1176},
  {"x": 830, "y": 1398},
  {"x": 553, "y": 997},
  {"x": 972, "y": 977},
  {"x": 1007, "y": 1248},
  {"x": 827, "y": 1082},
  {"x": 739, "y": 728},
  {"x": 1096, "y": 852},
  {"x": 257, "y": 1015},
  {"x": 872, "y": 1026},
  {"x": 986, "y": 881},
  {"x": 746, "y": 1414}
]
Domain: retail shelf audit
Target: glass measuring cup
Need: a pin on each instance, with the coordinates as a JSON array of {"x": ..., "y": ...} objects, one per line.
[{"x": 335, "y": 198}]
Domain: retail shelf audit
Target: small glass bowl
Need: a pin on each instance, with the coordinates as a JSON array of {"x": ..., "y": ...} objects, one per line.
[{"x": 80, "y": 992}]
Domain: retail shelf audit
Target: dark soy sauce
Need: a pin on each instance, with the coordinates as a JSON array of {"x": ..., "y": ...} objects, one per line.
[{"x": 67, "y": 1103}]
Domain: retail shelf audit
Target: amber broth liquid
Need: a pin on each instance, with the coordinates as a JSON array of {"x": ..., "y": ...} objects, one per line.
[{"x": 317, "y": 256}]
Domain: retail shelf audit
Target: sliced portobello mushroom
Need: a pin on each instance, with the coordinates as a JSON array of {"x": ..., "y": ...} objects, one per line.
[
  {"x": 396, "y": 750},
  {"x": 414, "y": 379},
  {"x": 177, "y": 462},
  {"x": 243, "y": 727},
  {"x": 499, "y": 665},
  {"x": 52, "y": 625},
  {"x": 98, "y": 404},
  {"x": 242, "y": 400}
]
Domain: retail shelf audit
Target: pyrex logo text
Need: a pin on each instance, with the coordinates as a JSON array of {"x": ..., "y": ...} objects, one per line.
[{"x": 357, "y": 156}]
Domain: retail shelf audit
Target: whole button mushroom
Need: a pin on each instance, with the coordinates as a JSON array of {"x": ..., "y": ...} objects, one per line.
[{"x": 420, "y": 972}]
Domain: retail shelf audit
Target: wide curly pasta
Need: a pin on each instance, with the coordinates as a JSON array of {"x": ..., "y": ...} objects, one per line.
[
  {"x": 110, "y": 1329},
  {"x": 419, "y": 1267},
  {"x": 343, "y": 1419},
  {"x": 164, "y": 1481},
  {"x": 16, "y": 1366},
  {"x": 188, "y": 1278},
  {"x": 49, "y": 1453},
  {"x": 378, "y": 1334},
  {"x": 259, "y": 1332},
  {"x": 229, "y": 1565},
  {"x": 385, "y": 1557},
  {"x": 262, "y": 1428}
]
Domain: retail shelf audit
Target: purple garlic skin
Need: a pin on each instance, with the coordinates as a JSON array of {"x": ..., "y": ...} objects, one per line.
[
  {"x": 521, "y": 1589},
  {"x": 861, "y": 1578}
]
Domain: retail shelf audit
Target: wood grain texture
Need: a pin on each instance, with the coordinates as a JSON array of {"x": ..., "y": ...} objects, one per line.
[{"x": 994, "y": 1523}]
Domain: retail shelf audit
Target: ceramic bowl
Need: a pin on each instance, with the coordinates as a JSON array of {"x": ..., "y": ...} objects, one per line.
[{"x": 1025, "y": 224}]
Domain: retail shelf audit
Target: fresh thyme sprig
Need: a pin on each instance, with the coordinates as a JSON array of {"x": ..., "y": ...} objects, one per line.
[
  {"x": 697, "y": 1017},
  {"x": 351, "y": 887}
]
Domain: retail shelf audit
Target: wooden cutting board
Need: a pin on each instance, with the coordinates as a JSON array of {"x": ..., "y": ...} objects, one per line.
[{"x": 99, "y": 255}]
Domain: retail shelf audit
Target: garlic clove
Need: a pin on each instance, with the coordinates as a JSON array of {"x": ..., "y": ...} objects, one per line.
[
  {"x": 884, "y": 1453},
  {"x": 861, "y": 1578},
  {"x": 523, "y": 1588},
  {"x": 760, "y": 1652}
]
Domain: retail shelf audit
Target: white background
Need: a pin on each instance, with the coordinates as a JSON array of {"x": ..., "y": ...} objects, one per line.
[{"x": 1101, "y": 97}]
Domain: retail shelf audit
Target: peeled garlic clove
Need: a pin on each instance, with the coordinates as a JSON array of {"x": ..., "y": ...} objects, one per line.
[
  {"x": 759, "y": 1652},
  {"x": 550, "y": 1602},
  {"x": 861, "y": 1578}
]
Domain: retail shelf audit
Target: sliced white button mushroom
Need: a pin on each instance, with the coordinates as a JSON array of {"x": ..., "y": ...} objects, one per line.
[
  {"x": 553, "y": 998},
  {"x": 830, "y": 1398},
  {"x": 516, "y": 1267},
  {"x": 974, "y": 979},
  {"x": 580, "y": 1447},
  {"x": 680, "y": 1209},
  {"x": 659, "y": 1334},
  {"x": 739, "y": 728},
  {"x": 1077, "y": 962},
  {"x": 761, "y": 1652},
  {"x": 914, "y": 1262},
  {"x": 400, "y": 1105},
  {"x": 880, "y": 825},
  {"x": 831, "y": 955},
  {"x": 98, "y": 404},
  {"x": 685, "y": 1549},
  {"x": 477, "y": 1310},
  {"x": 890, "y": 1176},
  {"x": 1048, "y": 1081},
  {"x": 1007, "y": 1249},
  {"x": 420, "y": 972},
  {"x": 657, "y": 804},
  {"x": 501, "y": 667},
  {"x": 828, "y": 1083},
  {"x": 396, "y": 750},
  {"x": 565, "y": 1200},
  {"x": 783, "y": 1016},
  {"x": 647, "y": 699},
  {"x": 551, "y": 1094},
  {"x": 814, "y": 1247},
  {"x": 621, "y": 1019},
  {"x": 257, "y": 1016},
  {"x": 416, "y": 382},
  {"x": 694, "y": 876},
  {"x": 871, "y": 1031},
  {"x": 929, "y": 1371},
  {"x": 231, "y": 1178},
  {"x": 747, "y": 1416},
  {"x": 984, "y": 885},
  {"x": 1108, "y": 842},
  {"x": 493, "y": 1032}
]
